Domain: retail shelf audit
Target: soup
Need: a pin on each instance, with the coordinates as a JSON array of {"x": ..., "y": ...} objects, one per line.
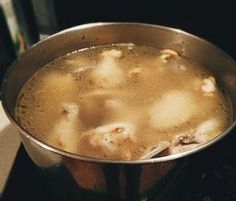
[{"x": 123, "y": 102}]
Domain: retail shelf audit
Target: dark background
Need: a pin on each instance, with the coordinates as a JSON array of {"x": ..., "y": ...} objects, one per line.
[{"x": 213, "y": 20}]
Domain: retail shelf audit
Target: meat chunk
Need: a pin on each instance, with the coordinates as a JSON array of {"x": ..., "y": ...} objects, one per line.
[
  {"x": 65, "y": 133},
  {"x": 108, "y": 74},
  {"x": 185, "y": 141},
  {"x": 111, "y": 135},
  {"x": 109, "y": 139},
  {"x": 182, "y": 148},
  {"x": 170, "y": 52},
  {"x": 194, "y": 137},
  {"x": 208, "y": 85},
  {"x": 175, "y": 108},
  {"x": 167, "y": 54}
]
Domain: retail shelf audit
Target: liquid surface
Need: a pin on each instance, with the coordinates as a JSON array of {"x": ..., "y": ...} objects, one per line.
[{"x": 123, "y": 102}]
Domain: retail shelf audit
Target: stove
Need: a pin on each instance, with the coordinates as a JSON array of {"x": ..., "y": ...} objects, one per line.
[{"x": 211, "y": 176}]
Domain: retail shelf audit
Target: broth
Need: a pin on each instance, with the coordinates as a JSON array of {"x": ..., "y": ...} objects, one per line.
[{"x": 123, "y": 102}]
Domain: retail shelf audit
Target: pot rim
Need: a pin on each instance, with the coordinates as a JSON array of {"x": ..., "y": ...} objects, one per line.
[{"x": 95, "y": 160}]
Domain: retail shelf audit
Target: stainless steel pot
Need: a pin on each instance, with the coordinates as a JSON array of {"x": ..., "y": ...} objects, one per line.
[{"x": 78, "y": 176}]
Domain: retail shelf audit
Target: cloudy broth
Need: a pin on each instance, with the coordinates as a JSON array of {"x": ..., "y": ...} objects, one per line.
[{"x": 123, "y": 102}]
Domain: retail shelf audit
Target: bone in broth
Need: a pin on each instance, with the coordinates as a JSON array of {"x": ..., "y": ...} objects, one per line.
[{"x": 123, "y": 102}]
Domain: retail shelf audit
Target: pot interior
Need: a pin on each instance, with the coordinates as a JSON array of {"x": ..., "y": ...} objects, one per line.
[{"x": 190, "y": 46}]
